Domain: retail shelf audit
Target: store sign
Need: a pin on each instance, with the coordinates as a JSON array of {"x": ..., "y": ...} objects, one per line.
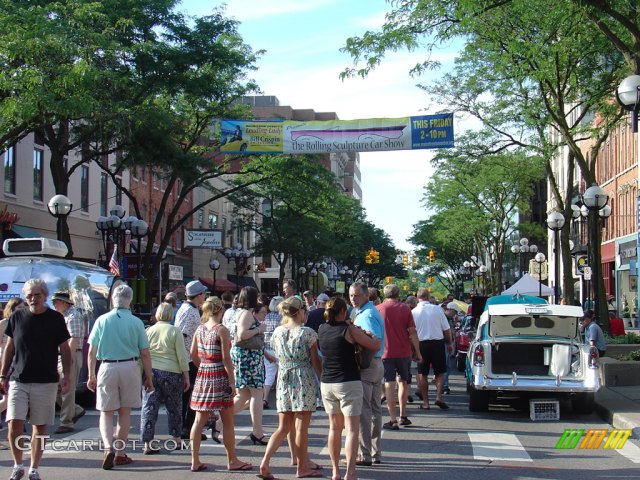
[
  {"x": 627, "y": 251},
  {"x": 203, "y": 238},
  {"x": 175, "y": 272}
]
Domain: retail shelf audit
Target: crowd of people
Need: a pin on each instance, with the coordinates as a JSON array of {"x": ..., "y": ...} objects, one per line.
[{"x": 209, "y": 358}]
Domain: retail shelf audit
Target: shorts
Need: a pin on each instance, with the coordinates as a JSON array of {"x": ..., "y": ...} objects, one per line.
[
  {"x": 343, "y": 397},
  {"x": 397, "y": 367},
  {"x": 270, "y": 370},
  {"x": 119, "y": 386},
  {"x": 36, "y": 399},
  {"x": 434, "y": 355}
]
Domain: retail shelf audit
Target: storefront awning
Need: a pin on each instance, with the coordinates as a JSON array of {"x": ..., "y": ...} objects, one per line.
[
  {"x": 22, "y": 231},
  {"x": 222, "y": 285},
  {"x": 242, "y": 281}
]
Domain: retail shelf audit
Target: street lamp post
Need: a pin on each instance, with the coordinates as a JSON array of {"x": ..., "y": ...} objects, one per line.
[
  {"x": 239, "y": 256},
  {"x": 523, "y": 248},
  {"x": 60, "y": 207},
  {"x": 483, "y": 272},
  {"x": 113, "y": 228},
  {"x": 596, "y": 199},
  {"x": 214, "y": 265},
  {"x": 628, "y": 96},
  {"x": 540, "y": 259},
  {"x": 139, "y": 229},
  {"x": 555, "y": 222}
]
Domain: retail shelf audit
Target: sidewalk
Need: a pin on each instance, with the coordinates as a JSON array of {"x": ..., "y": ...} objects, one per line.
[{"x": 620, "y": 406}]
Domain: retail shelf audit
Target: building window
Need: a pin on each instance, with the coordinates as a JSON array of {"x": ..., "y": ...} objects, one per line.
[
  {"x": 134, "y": 173},
  {"x": 213, "y": 220},
  {"x": 143, "y": 213},
  {"x": 143, "y": 174},
  {"x": 179, "y": 237},
  {"x": 155, "y": 180},
  {"x": 104, "y": 194},
  {"x": 38, "y": 174},
  {"x": 84, "y": 188},
  {"x": 224, "y": 228},
  {"x": 10, "y": 170}
]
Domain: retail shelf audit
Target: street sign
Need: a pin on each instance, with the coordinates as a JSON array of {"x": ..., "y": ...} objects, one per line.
[
  {"x": 203, "y": 238},
  {"x": 581, "y": 264},
  {"x": 586, "y": 273}
]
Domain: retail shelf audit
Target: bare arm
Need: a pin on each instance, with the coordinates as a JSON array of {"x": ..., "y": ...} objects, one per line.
[
  {"x": 145, "y": 356},
  {"x": 195, "y": 358},
  {"x": 225, "y": 343},
  {"x": 361, "y": 338},
  {"x": 91, "y": 366},
  {"x": 244, "y": 323},
  {"x": 415, "y": 343},
  {"x": 316, "y": 363},
  {"x": 7, "y": 358},
  {"x": 65, "y": 355}
]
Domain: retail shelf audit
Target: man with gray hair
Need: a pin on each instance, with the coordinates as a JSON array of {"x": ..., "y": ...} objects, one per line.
[
  {"x": 118, "y": 339},
  {"x": 35, "y": 335},
  {"x": 400, "y": 338}
]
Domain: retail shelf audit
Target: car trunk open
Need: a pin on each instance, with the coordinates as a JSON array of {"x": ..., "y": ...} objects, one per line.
[{"x": 532, "y": 359}]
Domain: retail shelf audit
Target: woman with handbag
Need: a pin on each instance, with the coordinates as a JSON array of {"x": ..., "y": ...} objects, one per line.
[
  {"x": 340, "y": 385},
  {"x": 247, "y": 355},
  {"x": 296, "y": 349}
]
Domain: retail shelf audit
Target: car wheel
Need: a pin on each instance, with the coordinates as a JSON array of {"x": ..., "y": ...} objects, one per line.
[
  {"x": 461, "y": 363},
  {"x": 583, "y": 402},
  {"x": 478, "y": 400}
]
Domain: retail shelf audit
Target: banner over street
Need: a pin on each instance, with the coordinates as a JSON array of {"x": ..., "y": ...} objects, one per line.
[{"x": 326, "y": 136}]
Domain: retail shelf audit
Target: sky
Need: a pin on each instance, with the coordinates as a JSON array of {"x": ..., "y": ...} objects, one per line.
[{"x": 301, "y": 67}]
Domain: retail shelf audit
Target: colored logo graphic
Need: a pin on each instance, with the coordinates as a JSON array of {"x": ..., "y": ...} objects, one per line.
[{"x": 593, "y": 439}]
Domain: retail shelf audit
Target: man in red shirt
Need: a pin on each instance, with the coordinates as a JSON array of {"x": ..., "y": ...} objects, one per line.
[{"x": 399, "y": 338}]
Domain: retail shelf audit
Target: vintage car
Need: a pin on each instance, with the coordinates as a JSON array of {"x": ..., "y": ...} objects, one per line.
[
  {"x": 531, "y": 349},
  {"x": 90, "y": 286}
]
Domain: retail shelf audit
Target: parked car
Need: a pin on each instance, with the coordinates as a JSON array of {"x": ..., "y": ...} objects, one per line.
[
  {"x": 90, "y": 286},
  {"x": 531, "y": 349},
  {"x": 465, "y": 333}
]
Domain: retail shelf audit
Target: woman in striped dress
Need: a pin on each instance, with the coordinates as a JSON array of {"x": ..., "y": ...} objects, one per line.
[{"x": 214, "y": 386}]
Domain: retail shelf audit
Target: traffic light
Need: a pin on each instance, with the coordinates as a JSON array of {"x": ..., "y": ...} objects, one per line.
[
  {"x": 432, "y": 256},
  {"x": 414, "y": 260},
  {"x": 405, "y": 259},
  {"x": 388, "y": 279}
]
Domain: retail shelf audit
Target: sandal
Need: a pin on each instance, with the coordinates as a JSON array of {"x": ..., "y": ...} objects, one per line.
[
  {"x": 404, "y": 421},
  {"x": 123, "y": 460},
  {"x": 391, "y": 425}
]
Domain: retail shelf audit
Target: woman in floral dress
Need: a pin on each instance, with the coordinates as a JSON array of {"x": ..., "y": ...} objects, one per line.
[
  {"x": 296, "y": 349},
  {"x": 214, "y": 386}
]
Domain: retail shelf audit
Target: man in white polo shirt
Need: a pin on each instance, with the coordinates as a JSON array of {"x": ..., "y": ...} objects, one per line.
[{"x": 433, "y": 330}]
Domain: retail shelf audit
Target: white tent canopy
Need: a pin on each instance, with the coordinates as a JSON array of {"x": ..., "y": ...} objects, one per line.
[{"x": 528, "y": 286}]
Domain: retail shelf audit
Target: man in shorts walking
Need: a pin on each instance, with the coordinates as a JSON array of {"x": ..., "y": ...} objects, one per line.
[
  {"x": 36, "y": 334},
  {"x": 118, "y": 339},
  {"x": 399, "y": 338},
  {"x": 433, "y": 331}
]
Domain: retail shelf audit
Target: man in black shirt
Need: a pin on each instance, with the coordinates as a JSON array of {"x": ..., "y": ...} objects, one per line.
[
  {"x": 316, "y": 316},
  {"x": 35, "y": 336}
]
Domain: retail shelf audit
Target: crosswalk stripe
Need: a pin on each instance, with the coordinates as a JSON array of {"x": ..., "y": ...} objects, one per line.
[
  {"x": 497, "y": 446},
  {"x": 630, "y": 451}
]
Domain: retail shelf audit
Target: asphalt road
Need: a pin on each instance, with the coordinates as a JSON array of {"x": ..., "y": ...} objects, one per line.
[{"x": 454, "y": 444}]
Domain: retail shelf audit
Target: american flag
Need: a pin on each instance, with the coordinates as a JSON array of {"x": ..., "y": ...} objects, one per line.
[{"x": 113, "y": 263}]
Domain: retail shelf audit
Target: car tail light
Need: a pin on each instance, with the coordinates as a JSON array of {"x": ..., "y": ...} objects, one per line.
[
  {"x": 478, "y": 356},
  {"x": 593, "y": 357}
]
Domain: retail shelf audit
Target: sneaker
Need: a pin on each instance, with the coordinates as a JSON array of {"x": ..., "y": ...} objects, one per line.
[
  {"x": 17, "y": 474},
  {"x": 34, "y": 476}
]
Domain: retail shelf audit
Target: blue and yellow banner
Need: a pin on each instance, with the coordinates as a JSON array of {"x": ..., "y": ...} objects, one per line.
[{"x": 327, "y": 136}]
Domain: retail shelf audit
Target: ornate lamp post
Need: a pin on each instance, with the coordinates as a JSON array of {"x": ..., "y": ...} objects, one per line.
[
  {"x": 628, "y": 96},
  {"x": 139, "y": 229},
  {"x": 540, "y": 259},
  {"x": 113, "y": 228},
  {"x": 596, "y": 199},
  {"x": 521, "y": 249},
  {"x": 240, "y": 257},
  {"x": 60, "y": 207},
  {"x": 555, "y": 222},
  {"x": 214, "y": 265}
]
